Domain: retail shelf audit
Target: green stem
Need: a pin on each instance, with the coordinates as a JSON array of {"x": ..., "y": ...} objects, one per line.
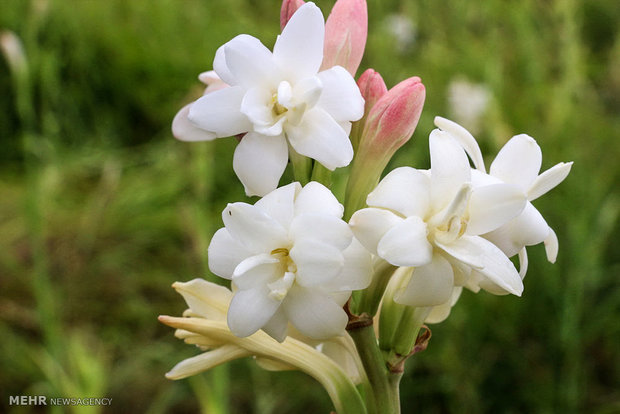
[
  {"x": 367, "y": 300},
  {"x": 385, "y": 400},
  {"x": 301, "y": 166},
  {"x": 322, "y": 175}
]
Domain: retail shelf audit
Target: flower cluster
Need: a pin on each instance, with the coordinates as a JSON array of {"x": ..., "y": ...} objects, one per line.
[{"x": 310, "y": 276}]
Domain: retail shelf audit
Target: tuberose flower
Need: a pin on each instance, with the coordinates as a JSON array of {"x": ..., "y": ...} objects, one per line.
[
  {"x": 517, "y": 163},
  {"x": 291, "y": 259},
  {"x": 281, "y": 100},
  {"x": 432, "y": 221}
]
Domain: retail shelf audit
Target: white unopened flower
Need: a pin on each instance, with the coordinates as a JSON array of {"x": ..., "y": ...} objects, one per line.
[
  {"x": 518, "y": 163},
  {"x": 432, "y": 221},
  {"x": 292, "y": 259},
  {"x": 334, "y": 364},
  {"x": 281, "y": 97}
]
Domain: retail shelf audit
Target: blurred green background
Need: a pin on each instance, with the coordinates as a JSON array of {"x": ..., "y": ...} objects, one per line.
[{"x": 101, "y": 209}]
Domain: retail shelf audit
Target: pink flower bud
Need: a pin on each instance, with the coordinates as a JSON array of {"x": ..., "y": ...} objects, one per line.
[
  {"x": 346, "y": 31},
  {"x": 394, "y": 117},
  {"x": 389, "y": 125},
  {"x": 372, "y": 86},
  {"x": 289, "y": 7}
]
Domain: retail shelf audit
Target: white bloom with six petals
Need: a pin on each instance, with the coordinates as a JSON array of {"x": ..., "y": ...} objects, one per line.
[
  {"x": 292, "y": 259},
  {"x": 281, "y": 97},
  {"x": 517, "y": 163},
  {"x": 432, "y": 221}
]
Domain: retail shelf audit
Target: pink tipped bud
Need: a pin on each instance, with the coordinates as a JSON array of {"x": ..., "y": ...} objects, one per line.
[
  {"x": 289, "y": 7},
  {"x": 389, "y": 125},
  {"x": 346, "y": 31},
  {"x": 372, "y": 86},
  {"x": 394, "y": 117}
]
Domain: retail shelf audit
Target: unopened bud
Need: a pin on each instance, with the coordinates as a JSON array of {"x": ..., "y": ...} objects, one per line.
[
  {"x": 289, "y": 7},
  {"x": 389, "y": 125},
  {"x": 346, "y": 31},
  {"x": 372, "y": 87}
]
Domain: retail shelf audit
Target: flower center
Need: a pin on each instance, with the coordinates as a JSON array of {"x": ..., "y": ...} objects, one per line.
[
  {"x": 277, "y": 109},
  {"x": 279, "y": 288}
]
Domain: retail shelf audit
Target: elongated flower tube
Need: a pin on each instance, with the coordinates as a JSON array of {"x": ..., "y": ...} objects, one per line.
[
  {"x": 346, "y": 31},
  {"x": 517, "y": 163},
  {"x": 281, "y": 102},
  {"x": 432, "y": 221},
  {"x": 389, "y": 125},
  {"x": 292, "y": 259},
  {"x": 204, "y": 325}
]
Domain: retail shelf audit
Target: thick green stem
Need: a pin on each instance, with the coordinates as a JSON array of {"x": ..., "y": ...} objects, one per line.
[
  {"x": 385, "y": 400},
  {"x": 301, "y": 166},
  {"x": 367, "y": 300}
]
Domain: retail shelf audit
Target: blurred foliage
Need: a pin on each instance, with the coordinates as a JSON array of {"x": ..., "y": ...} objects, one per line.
[{"x": 102, "y": 210}]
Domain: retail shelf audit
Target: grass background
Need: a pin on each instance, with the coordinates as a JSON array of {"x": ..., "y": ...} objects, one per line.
[{"x": 101, "y": 209}]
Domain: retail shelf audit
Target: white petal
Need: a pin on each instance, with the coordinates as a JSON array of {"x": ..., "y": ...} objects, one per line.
[
  {"x": 317, "y": 262},
  {"x": 280, "y": 203},
  {"x": 308, "y": 91},
  {"x": 523, "y": 263},
  {"x": 259, "y": 162},
  {"x": 495, "y": 265},
  {"x": 277, "y": 326},
  {"x": 527, "y": 229},
  {"x": 430, "y": 285},
  {"x": 464, "y": 138},
  {"x": 518, "y": 162},
  {"x": 250, "y": 310},
  {"x": 449, "y": 168},
  {"x": 256, "y": 105},
  {"x": 549, "y": 179},
  {"x": 552, "y": 246},
  {"x": 314, "y": 314},
  {"x": 406, "y": 244},
  {"x": 341, "y": 97},
  {"x": 440, "y": 313},
  {"x": 357, "y": 270},
  {"x": 299, "y": 49},
  {"x": 319, "y": 137},
  {"x": 321, "y": 227},
  {"x": 205, "y": 361},
  {"x": 251, "y": 227},
  {"x": 205, "y": 299},
  {"x": 404, "y": 190},
  {"x": 249, "y": 62},
  {"x": 463, "y": 250},
  {"x": 369, "y": 225},
  {"x": 492, "y": 206},
  {"x": 184, "y": 130},
  {"x": 316, "y": 198},
  {"x": 220, "y": 66},
  {"x": 220, "y": 112},
  {"x": 225, "y": 253},
  {"x": 257, "y": 271}
]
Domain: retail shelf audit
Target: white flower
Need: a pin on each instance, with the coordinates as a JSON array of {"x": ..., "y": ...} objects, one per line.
[
  {"x": 518, "y": 163},
  {"x": 279, "y": 97},
  {"x": 432, "y": 221},
  {"x": 291, "y": 258}
]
